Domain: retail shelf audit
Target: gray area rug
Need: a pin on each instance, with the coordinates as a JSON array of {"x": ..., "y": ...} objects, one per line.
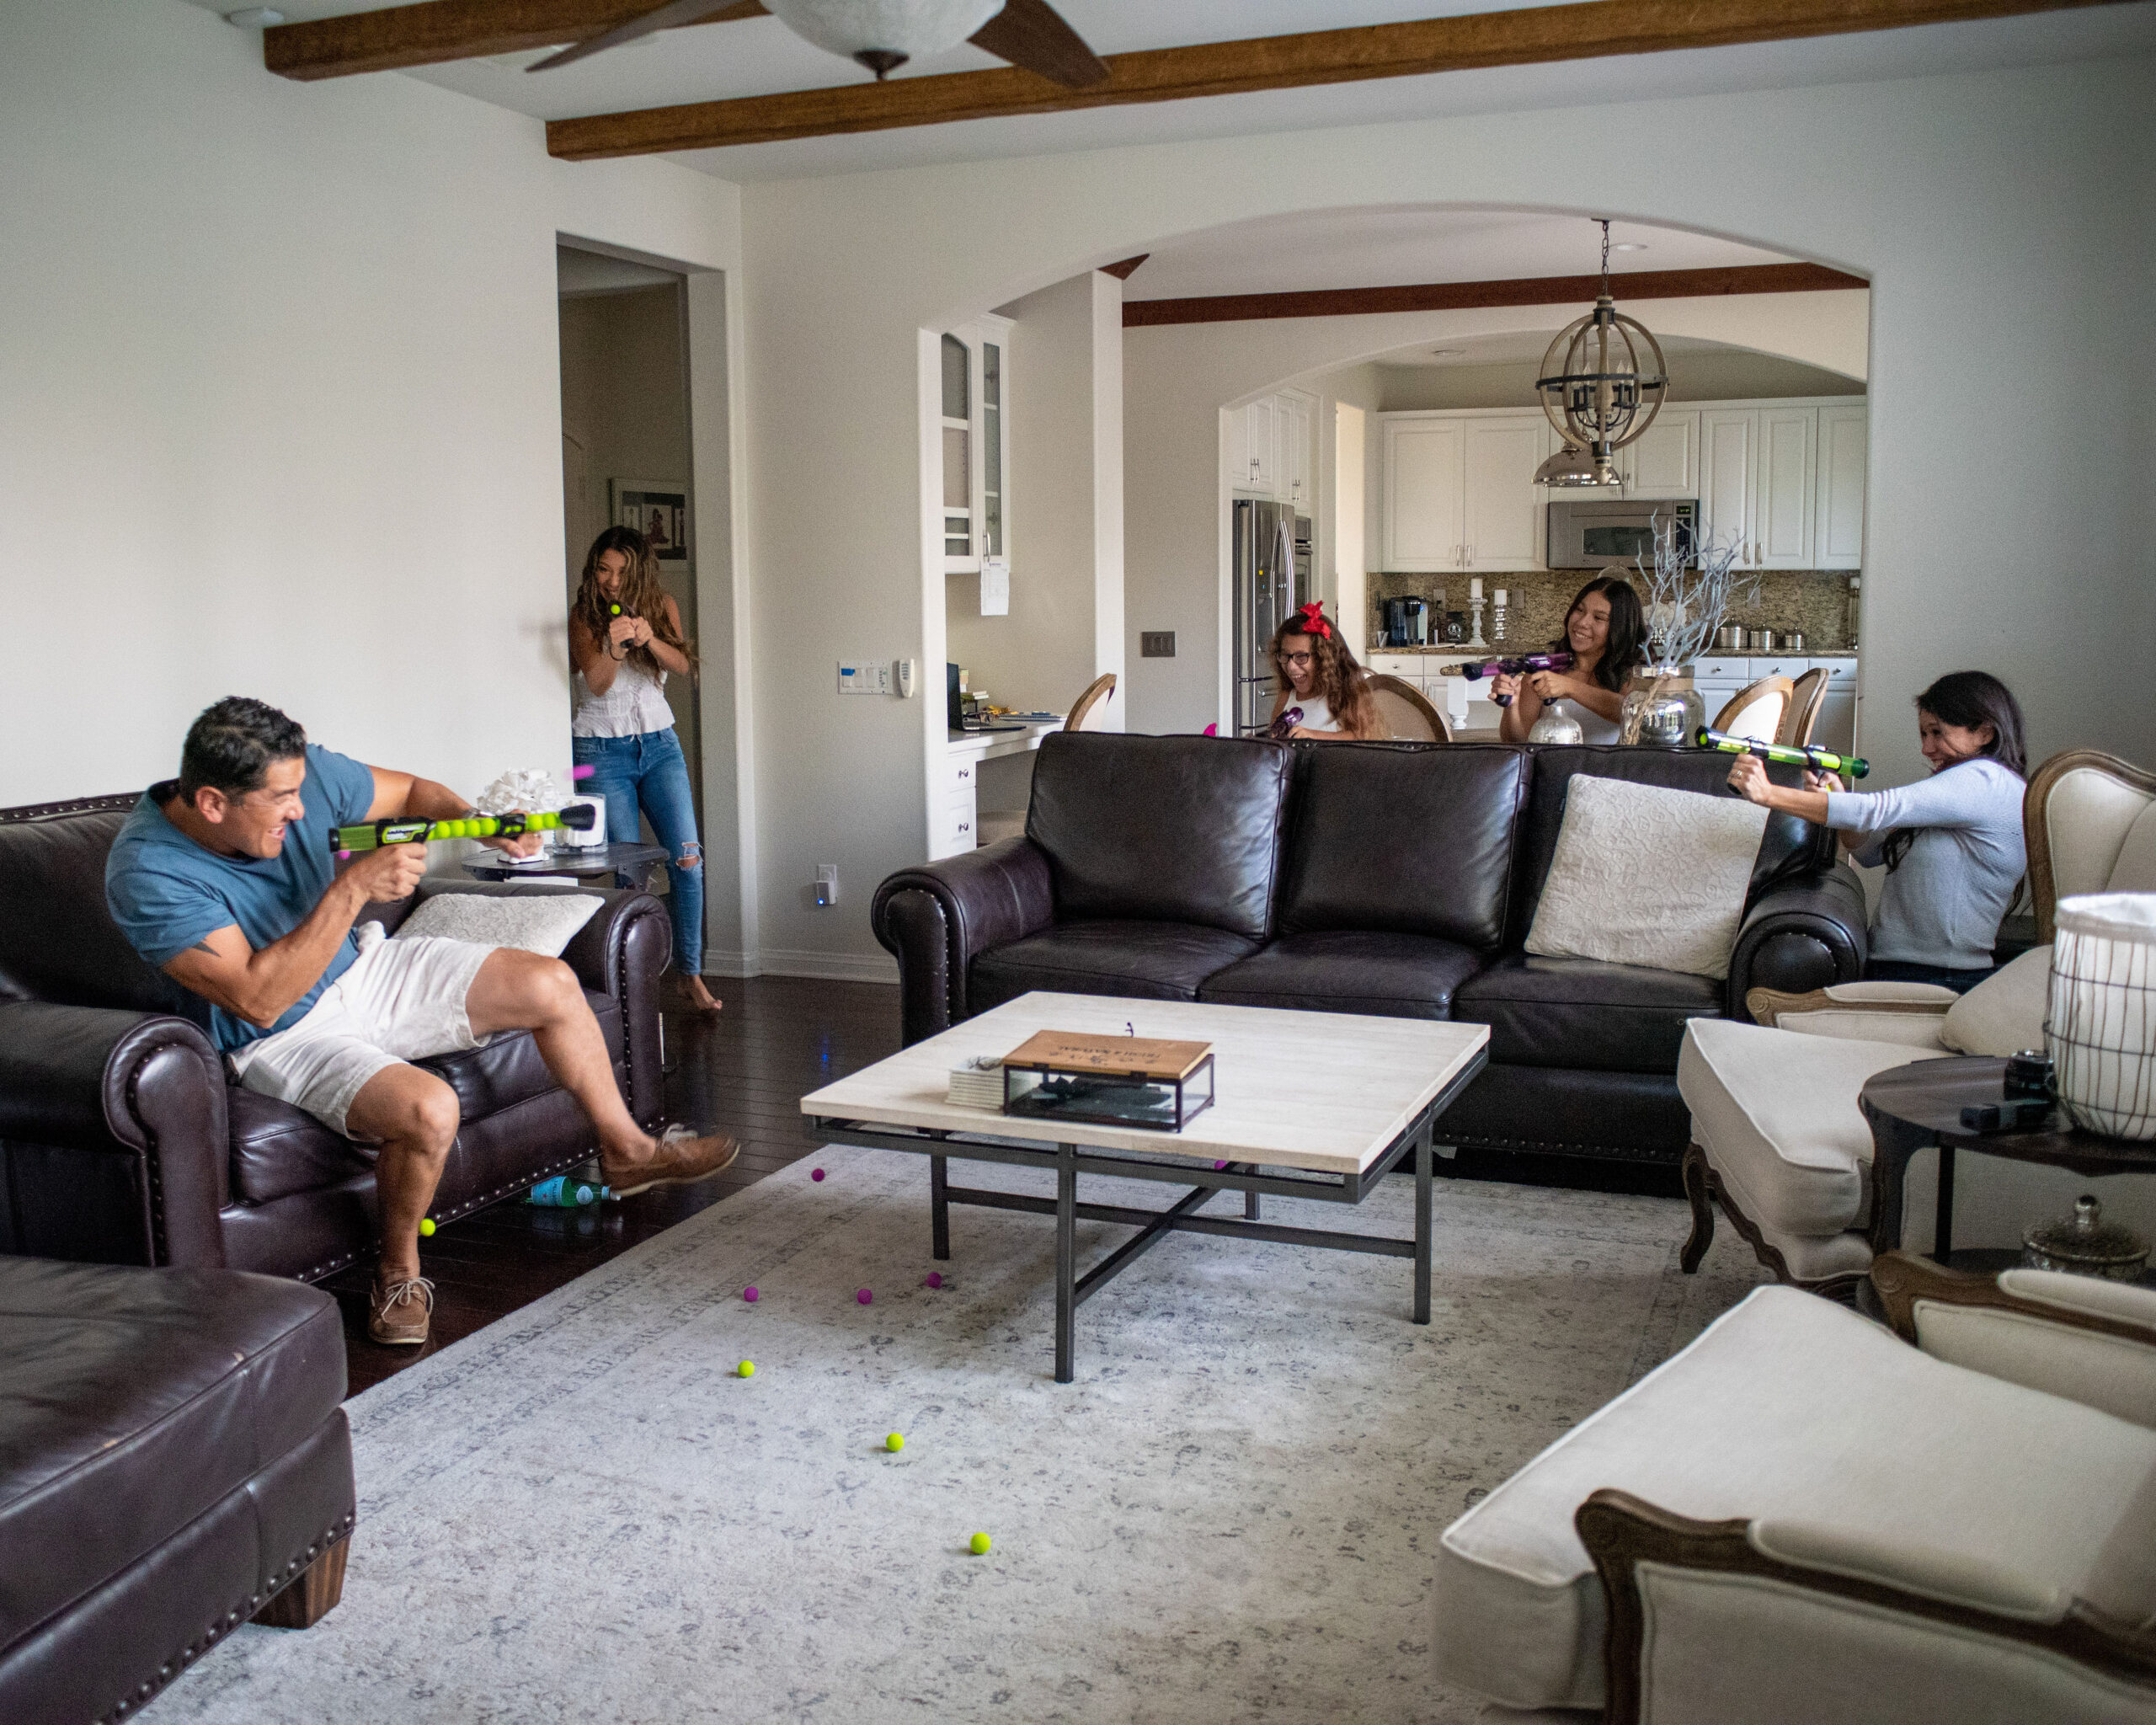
[{"x": 582, "y": 1514}]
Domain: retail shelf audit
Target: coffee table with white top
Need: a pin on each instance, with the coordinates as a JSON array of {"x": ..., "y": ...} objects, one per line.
[{"x": 1313, "y": 1105}]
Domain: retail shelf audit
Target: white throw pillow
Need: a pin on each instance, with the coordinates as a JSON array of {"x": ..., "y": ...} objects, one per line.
[
  {"x": 1645, "y": 875},
  {"x": 2004, "y": 1013},
  {"x": 533, "y": 922}
]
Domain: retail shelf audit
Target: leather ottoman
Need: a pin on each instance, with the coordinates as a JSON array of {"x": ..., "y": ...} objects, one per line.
[{"x": 174, "y": 1460}]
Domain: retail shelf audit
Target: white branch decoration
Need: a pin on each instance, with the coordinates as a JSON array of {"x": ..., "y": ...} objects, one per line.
[{"x": 1686, "y": 592}]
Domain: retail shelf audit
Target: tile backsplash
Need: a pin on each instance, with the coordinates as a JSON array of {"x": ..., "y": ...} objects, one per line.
[{"x": 1813, "y": 600}]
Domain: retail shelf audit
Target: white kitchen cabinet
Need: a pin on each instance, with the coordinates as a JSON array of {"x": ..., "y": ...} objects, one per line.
[
  {"x": 1665, "y": 462},
  {"x": 1503, "y": 517},
  {"x": 1295, "y": 416},
  {"x": 976, "y": 443},
  {"x": 1425, "y": 479},
  {"x": 1729, "y": 439},
  {"x": 1782, "y": 497},
  {"x": 1838, "y": 526}
]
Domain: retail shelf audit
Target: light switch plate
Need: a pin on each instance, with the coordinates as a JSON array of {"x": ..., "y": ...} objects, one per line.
[
  {"x": 1156, "y": 643},
  {"x": 865, "y": 677}
]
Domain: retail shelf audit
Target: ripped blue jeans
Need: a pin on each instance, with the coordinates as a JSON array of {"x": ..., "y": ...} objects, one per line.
[{"x": 648, "y": 772}]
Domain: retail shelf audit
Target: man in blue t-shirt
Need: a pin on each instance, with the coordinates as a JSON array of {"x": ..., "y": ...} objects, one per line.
[{"x": 224, "y": 879}]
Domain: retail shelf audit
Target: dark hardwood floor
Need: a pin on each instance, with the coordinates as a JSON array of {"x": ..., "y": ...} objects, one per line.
[{"x": 744, "y": 1073}]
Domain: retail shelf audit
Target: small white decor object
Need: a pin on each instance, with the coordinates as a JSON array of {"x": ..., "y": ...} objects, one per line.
[
  {"x": 532, "y": 922},
  {"x": 2004, "y": 1013},
  {"x": 588, "y": 838},
  {"x": 530, "y": 791},
  {"x": 2101, "y": 1032},
  {"x": 1647, "y": 875},
  {"x": 978, "y": 1084}
]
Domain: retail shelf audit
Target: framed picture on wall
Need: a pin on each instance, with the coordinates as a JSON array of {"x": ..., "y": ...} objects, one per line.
[{"x": 659, "y": 511}]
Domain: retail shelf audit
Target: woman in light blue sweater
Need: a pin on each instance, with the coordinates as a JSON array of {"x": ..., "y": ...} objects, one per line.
[{"x": 1952, "y": 845}]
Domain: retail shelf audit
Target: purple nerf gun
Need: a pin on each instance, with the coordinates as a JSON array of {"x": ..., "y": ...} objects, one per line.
[{"x": 1515, "y": 667}]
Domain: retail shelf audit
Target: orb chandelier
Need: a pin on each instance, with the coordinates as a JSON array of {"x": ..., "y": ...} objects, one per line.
[
  {"x": 884, "y": 34},
  {"x": 1603, "y": 382}
]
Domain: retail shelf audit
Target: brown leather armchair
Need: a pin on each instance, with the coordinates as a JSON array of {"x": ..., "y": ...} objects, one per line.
[{"x": 122, "y": 1142}]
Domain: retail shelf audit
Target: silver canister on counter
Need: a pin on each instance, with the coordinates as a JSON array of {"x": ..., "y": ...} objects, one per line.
[
  {"x": 1729, "y": 637},
  {"x": 1759, "y": 640},
  {"x": 1789, "y": 641}
]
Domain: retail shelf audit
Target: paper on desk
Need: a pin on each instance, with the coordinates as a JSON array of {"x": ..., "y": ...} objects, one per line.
[{"x": 994, "y": 586}]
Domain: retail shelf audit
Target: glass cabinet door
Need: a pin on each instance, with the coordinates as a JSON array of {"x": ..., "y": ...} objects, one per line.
[
  {"x": 958, "y": 549},
  {"x": 991, "y": 448}
]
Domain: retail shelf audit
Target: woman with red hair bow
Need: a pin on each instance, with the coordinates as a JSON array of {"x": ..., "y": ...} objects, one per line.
[{"x": 1322, "y": 694}]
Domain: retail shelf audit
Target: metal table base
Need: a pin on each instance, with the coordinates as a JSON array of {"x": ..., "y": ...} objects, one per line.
[{"x": 1069, "y": 1160}]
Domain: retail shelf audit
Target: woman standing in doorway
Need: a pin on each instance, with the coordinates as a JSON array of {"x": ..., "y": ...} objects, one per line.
[{"x": 625, "y": 641}]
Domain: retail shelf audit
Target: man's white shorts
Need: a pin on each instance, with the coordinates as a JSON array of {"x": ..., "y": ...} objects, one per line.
[{"x": 401, "y": 1000}]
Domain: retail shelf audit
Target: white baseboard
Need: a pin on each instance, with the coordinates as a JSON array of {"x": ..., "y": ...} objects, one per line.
[
  {"x": 718, "y": 964},
  {"x": 833, "y": 967}
]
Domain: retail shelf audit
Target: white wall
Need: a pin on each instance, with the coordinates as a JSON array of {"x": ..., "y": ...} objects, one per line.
[
  {"x": 280, "y": 398},
  {"x": 1183, "y": 372},
  {"x": 2003, "y": 219}
]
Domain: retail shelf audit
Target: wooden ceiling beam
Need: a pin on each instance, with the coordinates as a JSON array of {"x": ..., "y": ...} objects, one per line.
[
  {"x": 1476, "y": 296},
  {"x": 1590, "y": 29},
  {"x": 436, "y": 31}
]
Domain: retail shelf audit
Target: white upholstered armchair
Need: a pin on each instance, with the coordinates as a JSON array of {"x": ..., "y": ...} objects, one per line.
[
  {"x": 1777, "y": 1142},
  {"x": 1802, "y": 1518}
]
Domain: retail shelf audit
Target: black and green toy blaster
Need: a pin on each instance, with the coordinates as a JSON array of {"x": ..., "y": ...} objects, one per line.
[
  {"x": 1788, "y": 754},
  {"x": 372, "y": 835}
]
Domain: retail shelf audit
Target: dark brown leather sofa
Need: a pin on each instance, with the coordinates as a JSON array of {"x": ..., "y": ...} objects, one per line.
[
  {"x": 174, "y": 1460},
  {"x": 121, "y": 1142},
  {"x": 1399, "y": 880}
]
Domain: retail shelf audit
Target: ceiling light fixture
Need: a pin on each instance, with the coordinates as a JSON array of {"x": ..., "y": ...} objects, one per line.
[
  {"x": 1602, "y": 381},
  {"x": 884, "y": 34}
]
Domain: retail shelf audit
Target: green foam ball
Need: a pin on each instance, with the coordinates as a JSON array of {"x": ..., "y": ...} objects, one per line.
[
  {"x": 427, "y": 1225},
  {"x": 897, "y": 1440},
  {"x": 747, "y": 1368},
  {"x": 980, "y": 1543}
]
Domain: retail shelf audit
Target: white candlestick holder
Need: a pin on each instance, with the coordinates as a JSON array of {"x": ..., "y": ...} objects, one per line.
[
  {"x": 1498, "y": 625},
  {"x": 1476, "y": 606}
]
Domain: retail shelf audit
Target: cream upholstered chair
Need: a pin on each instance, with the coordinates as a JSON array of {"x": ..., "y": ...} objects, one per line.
[
  {"x": 1407, "y": 715},
  {"x": 1756, "y": 710},
  {"x": 1802, "y": 1518},
  {"x": 1777, "y": 1142},
  {"x": 1098, "y": 692},
  {"x": 1807, "y": 695}
]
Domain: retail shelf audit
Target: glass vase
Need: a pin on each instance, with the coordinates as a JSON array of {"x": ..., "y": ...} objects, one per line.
[{"x": 1661, "y": 707}]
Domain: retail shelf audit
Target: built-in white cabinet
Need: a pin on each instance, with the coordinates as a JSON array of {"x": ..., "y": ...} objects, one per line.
[
  {"x": 1838, "y": 523},
  {"x": 1459, "y": 491},
  {"x": 1665, "y": 460},
  {"x": 976, "y": 443},
  {"x": 1269, "y": 450},
  {"x": 1757, "y": 481}
]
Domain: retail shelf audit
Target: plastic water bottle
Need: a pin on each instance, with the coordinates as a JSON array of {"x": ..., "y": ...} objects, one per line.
[{"x": 562, "y": 1193}]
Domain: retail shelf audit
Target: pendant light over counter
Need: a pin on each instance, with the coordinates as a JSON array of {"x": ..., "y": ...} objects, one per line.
[{"x": 1603, "y": 382}]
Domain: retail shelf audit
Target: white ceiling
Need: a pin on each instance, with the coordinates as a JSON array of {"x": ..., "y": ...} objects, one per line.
[
  {"x": 757, "y": 56},
  {"x": 578, "y": 272},
  {"x": 1520, "y": 347},
  {"x": 1385, "y": 246}
]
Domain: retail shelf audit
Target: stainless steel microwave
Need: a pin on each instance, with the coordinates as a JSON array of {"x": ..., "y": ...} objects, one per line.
[{"x": 1611, "y": 532}]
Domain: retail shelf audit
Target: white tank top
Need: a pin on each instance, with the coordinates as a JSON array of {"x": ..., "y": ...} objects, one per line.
[
  {"x": 1317, "y": 716},
  {"x": 634, "y": 702}
]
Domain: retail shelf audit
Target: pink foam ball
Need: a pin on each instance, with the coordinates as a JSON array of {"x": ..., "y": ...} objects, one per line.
[
  {"x": 1217, "y": 1167},
  {"x": 816, "y": 1173},
  {"x": 936, "y": 1278},
  {"x": 863, "y": 1295},
  {"x": 749, "y": 1295}
]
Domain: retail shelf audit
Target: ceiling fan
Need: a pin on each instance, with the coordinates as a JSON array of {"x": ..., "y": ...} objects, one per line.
[{"x": 884, "y": 34}]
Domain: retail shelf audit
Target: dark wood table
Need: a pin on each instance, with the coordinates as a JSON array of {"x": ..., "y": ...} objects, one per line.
[
  {"x": 1914, "y": 1107},
  {"x": 582, "y": 865}
]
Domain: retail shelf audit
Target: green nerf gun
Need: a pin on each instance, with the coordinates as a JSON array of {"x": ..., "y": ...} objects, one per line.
[
  {"x": 372, "y": 835},
  {"x": 1789, "y": 754}
]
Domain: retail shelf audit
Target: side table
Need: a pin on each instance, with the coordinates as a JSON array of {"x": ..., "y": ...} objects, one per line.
[
  {"x": 1912, "y": 1108},
  {"x": 584, "y": 865}
]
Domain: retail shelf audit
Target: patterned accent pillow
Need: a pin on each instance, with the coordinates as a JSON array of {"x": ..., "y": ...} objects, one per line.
[{"x": 534, "y": 922}]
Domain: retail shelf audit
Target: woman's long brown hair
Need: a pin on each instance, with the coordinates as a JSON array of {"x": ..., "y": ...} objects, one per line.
[
  {"x": 1339, "y": 679},
  {"x": 642, "y": 595}
]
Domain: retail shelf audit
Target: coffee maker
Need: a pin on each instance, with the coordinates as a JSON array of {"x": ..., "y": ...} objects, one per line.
[{"x": 1406, "y": 622}]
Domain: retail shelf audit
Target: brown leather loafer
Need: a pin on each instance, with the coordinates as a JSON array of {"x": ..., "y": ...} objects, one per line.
[
  {"x": 680, "y": 1159},
  {"x": 398, "y": 1312}
]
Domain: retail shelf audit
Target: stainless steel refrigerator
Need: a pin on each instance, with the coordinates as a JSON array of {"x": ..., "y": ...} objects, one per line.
[{"x": 1271, "y": 573}]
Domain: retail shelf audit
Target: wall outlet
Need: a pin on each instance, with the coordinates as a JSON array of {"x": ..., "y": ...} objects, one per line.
[
  {"x": 827, "y": 884},
  {"x": 1156, "y": 643},
  {"x": 872, "y": 677}
]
